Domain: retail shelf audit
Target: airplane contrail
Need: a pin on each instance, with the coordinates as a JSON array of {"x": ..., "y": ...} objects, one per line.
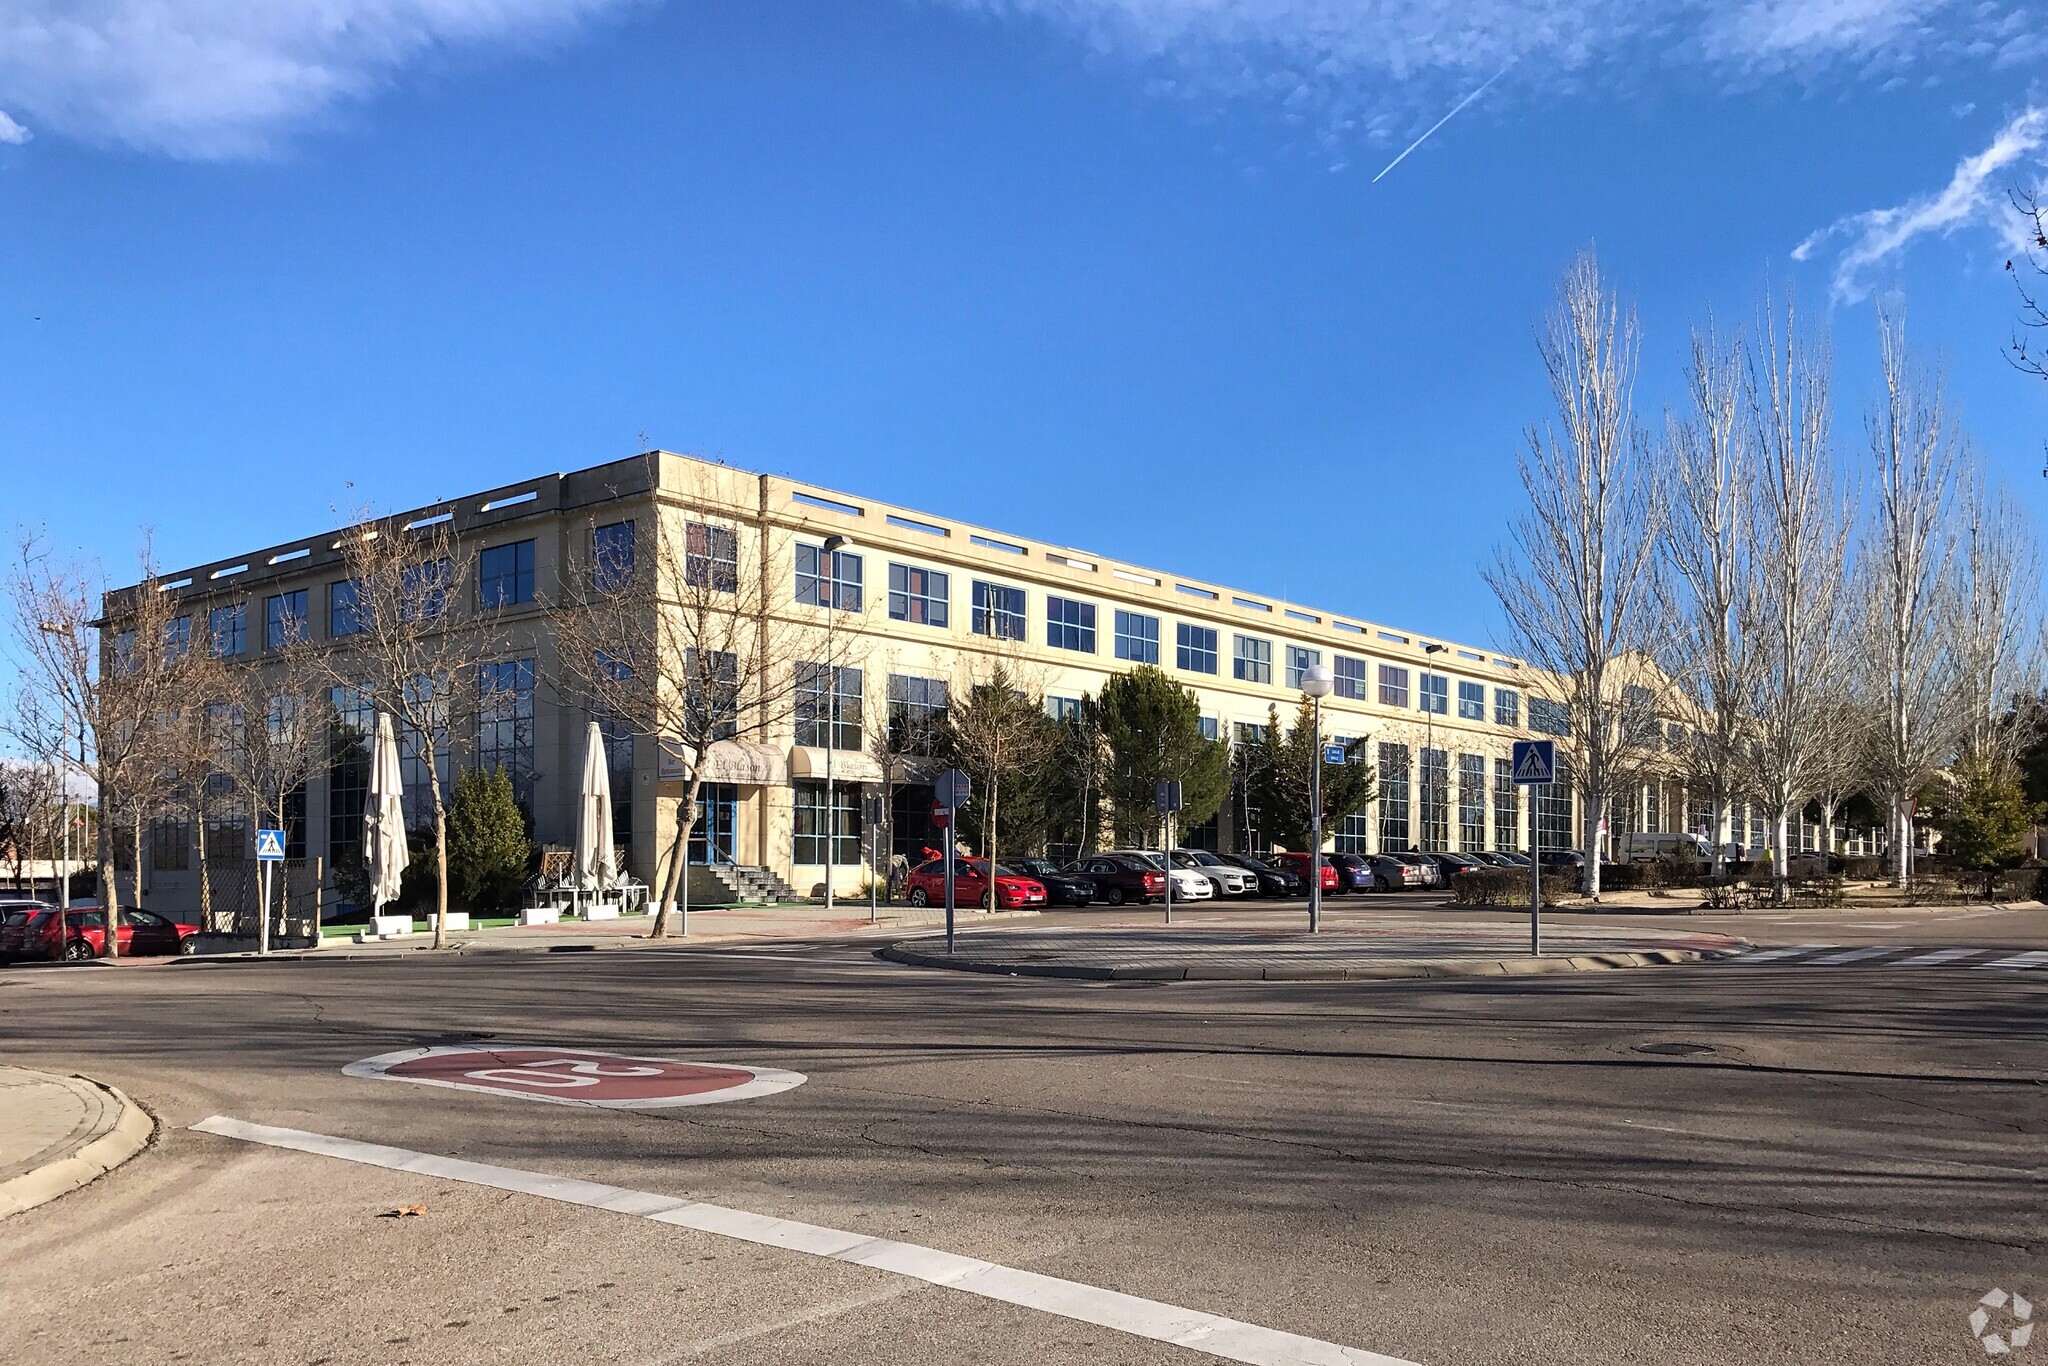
[{"x": 1441, "y": 122}]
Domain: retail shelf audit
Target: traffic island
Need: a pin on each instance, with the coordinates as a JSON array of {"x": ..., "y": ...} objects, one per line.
[
  {"x": 58, "y": 1133},
  {"x": 1345, "y": 954}
]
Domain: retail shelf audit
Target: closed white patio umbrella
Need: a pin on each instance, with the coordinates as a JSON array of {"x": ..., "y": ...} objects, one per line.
[
  {"x": 384, "y": 817},
  {"x": 596, "y": 869}
]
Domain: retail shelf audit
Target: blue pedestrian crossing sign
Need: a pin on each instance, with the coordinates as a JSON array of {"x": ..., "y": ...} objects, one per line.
[
  {"x": 270, "y": 846},
  {"x": 1535, "y": 762}
]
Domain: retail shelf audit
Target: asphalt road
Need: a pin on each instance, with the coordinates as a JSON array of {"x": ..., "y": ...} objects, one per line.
[{"x": 1832, "y": 1163}]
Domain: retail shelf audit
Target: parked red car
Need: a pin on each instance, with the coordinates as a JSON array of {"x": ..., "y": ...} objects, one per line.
[
  {"x": 1013, "y": 891},
  {"x": 35, "y": 933},
  {"x": 1297, "y": 864}
]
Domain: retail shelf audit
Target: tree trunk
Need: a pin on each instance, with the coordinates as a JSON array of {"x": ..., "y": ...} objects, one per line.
[
  {"x": 205, "y": 879},
  {"x": 1902, "y": 857},
  {"x": 1596, "y": 815},
  {"x": 678, "y": 861},
  {"x": 1781, "y": 857},
  {"x": 111, "y": 912},
  {"x": 440, "y": 873}
]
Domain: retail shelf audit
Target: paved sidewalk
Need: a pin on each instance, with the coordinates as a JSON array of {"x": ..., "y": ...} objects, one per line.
[
  {"x": 1172, "y": 954},
  {"x": 57, "y": 1133}
]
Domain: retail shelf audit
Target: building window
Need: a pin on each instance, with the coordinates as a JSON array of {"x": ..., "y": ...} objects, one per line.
[
  {"x": 1210, "y": 727},
  {"x": 611, "y": 556},
  {"x": 1471, "y": 803},
  {"x": 1549, "y": 718},
  {"x": 1350, "y": 674},
  {"x": 1299, "y": 662},
  {"x": 919, "y": 596},
  {"x": 504, "y": 722},
  {"x": 998, "y": 611},
  {"x": 712, "y": 693},
  {"x": 1351, "y": 834},
  {"x": 1393, "y": 686},
  {"x": 505, "y": 575},
  {"x": 344, "y": 612},
  {"x": 1248, "y": 733},
  {"x": 618, "y": 761},
  {"x": 1436, "y": 800},
  {"x": 1507, "y": 806},
  {"x": 1063, "y": 708},
  {"x": 348, "y": 771},
  {"x": 1252, "y": 660},
  {"x": 828, "y": 707},
  {"x": 917, "y": 706},
  {"x": 1435, "y": 695},
  {"x": 170, "y": 844},
  {"x": 227, "y": 630},
  {"x": 423, "y": 698},
  {"x": 1552, "y": 805},
  {"x": 828, "y": 578},
  {"x": 285, "y": 621},
  {"x": 1471, "y": 702},
  {"x": 1394, "y": 777},
  {"x": 711, "y": 557},
  {"x": 1195, "y": 648},
  {"x": 1507, "y": 707},
  {"x": 1070, "y": 625},
  {"x": 177, "y": 638},
  {"x": 423, "y": 590},
  {"x": 814, "y": 822},
  {"x": 1137, "y": 637},
  {"x": 124, "y": 656}
]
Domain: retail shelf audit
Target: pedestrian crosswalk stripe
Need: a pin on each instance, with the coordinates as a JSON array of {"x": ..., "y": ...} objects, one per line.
[
  {"x": 2021, "y": 960},
  {"x": 1896, "y": 956}
]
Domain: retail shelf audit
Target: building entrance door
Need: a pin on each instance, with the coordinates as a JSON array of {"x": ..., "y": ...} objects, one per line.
[{"x": 713, "y": 839}]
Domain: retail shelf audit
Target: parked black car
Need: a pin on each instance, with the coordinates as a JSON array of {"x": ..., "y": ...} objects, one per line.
[
  {"x": 1449, "y": 865},
  {"x": 1272, "y": 881},
  {"x": 1061, "y": 888},
  {"x": 1569, "y": 858},
  {"x": 1354, "y": 874},
  {"x": 1120, "y": 877}
]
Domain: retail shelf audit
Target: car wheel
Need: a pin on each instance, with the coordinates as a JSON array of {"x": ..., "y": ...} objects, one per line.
[
  {"x": 988, "y": 899},
  {"x": 187, "y": 945},
  {"x": 918, "y": 897},
  {"x": 79, "y": 951},
  {"x": 1115, "y": 896}
]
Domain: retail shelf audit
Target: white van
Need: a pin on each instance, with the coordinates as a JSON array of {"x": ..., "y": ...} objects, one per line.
[{"x": 1661, "y": 847}]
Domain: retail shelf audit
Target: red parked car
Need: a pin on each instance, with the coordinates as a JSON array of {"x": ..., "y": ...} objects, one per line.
[
  {"x": 35, "y": 933},
  {"x": 1013, "y": 891},
  {"x": 1297, "y": 864}
]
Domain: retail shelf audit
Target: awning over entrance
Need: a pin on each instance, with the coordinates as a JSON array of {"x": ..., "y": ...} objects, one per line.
[
  {"x": 728, "y": 761},
  {"x": 848, "y": 766}
]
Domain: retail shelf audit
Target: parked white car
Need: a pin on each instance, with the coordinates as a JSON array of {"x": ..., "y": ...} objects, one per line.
[
  {"x": 1188, "y": 884},
  {"x": 1229, "y": 880}
]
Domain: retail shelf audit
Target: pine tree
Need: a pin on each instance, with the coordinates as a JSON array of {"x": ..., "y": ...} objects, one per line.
[
  {"x": 488, "y": 847},
  {"x": 1277, "y": 768},
  {"x": 1153, "y": 729}
]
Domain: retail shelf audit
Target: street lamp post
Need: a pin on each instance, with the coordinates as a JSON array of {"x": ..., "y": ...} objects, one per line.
[
  {"x": 1429, "y": 746},
  {"x": 830, "y": 566},
  {"x": 1318, "y": 682}
]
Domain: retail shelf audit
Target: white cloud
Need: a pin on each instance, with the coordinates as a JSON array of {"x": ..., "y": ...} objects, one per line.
[
  {"x": 217, "y": 78},
  {"x": 11, "y": 132},
  {"x": 1974, "y": 195}
]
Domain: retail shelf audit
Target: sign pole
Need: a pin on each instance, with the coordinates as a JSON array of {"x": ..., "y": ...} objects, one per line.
[
  {"x": 263, "y": 907},
  {"x": 1534, "y": 765},
  {"x": 951, "y": 791},
  {"x": 1168, "y": 851}
]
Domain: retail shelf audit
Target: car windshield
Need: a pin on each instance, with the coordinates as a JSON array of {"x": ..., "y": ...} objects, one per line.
[
  {"x": 1256, "y": 865},
  {"x": 1030, "y": 867},
  {"x": 1015, "y": 870},
  {"x": 1205, "y": 859}
]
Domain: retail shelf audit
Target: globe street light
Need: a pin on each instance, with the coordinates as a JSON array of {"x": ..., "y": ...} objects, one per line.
[
  {"x": 829, "y": 566},
  {"x": 1318, "y": 682}
]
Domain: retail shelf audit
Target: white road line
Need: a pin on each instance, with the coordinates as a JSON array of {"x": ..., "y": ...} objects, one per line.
[
  {"x": 1212, "y": 1334},
  {"x": 1854, "y": 955},
  {"x": 1936, "y": 957},
  {"x": 1766, "y": 955},
  {"x": 2020, "y": 960}
]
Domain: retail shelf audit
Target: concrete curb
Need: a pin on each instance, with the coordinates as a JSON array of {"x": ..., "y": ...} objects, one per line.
[
  {"x": 130, "y": 1134},
  {"x": 1384, "y": 969}
]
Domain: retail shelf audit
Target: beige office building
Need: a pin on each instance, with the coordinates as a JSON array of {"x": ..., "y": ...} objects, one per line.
[{"x": 923, "y": 602}]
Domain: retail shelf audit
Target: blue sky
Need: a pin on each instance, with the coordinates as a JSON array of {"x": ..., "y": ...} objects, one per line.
[{"x": 1110, "y": 272}]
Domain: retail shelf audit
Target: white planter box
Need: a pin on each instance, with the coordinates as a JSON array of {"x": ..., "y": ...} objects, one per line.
[
  {"x": 458, "y": 920},
  {"x": 600, "y": 912},
  {"x": 391, "y": 924},
  {"x": 541, "y": 915}
]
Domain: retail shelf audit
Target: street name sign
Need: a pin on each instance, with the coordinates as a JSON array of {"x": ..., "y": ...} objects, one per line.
[
  {"x": 1333, "y": 754},
  {"x": 1535, "y": 762},
  {"x": 270, "y": 846},
  {"x": 576, "y": 1076}
]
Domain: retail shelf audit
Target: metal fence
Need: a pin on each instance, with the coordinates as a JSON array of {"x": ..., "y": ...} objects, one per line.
[{"x": 234, "y": 894}]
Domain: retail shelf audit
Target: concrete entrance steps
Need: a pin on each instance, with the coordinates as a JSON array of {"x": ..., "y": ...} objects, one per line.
[{"x": 738, "y": 883}]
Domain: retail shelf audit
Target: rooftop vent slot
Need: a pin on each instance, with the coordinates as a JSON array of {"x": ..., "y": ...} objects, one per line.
[
  {"x": 1070, "y": 562},
  {"x": 1347, "y": 626},
  {"x": 910, "y": 525},
  {"x": 1397, "y": 639},
  {"x": 301, "y": 553},
  {"x": 829, "y": 504},
  {"x": 1128, "y": 577},
  {"x": 229, "y": 572},
  {"x": 1250, "y": 605},
  {"x": 1304, "y": 616},
  {"x": 418, "y": 523},
  {"x": 1193, "y": 591},
  {"x": 513, "y": 501},
  {"x": 1004, "y": 546}
]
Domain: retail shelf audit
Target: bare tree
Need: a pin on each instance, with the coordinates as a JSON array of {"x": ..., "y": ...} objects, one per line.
[
  {"x": 684, "y": 640},
  {"x": 1579, "y": 584},
  {"x": 996, "y": 730},
  {"x": 1906, "y": 557},
  {"x": 2026, "y": 353},
  {"x": 1995, "y": 626},
  {"x": 1799, "y": 543},
  {"x": 28, "y": 803},
  {"x": 1709, "y": 470},
  {"x": 420, "y": 637}
]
